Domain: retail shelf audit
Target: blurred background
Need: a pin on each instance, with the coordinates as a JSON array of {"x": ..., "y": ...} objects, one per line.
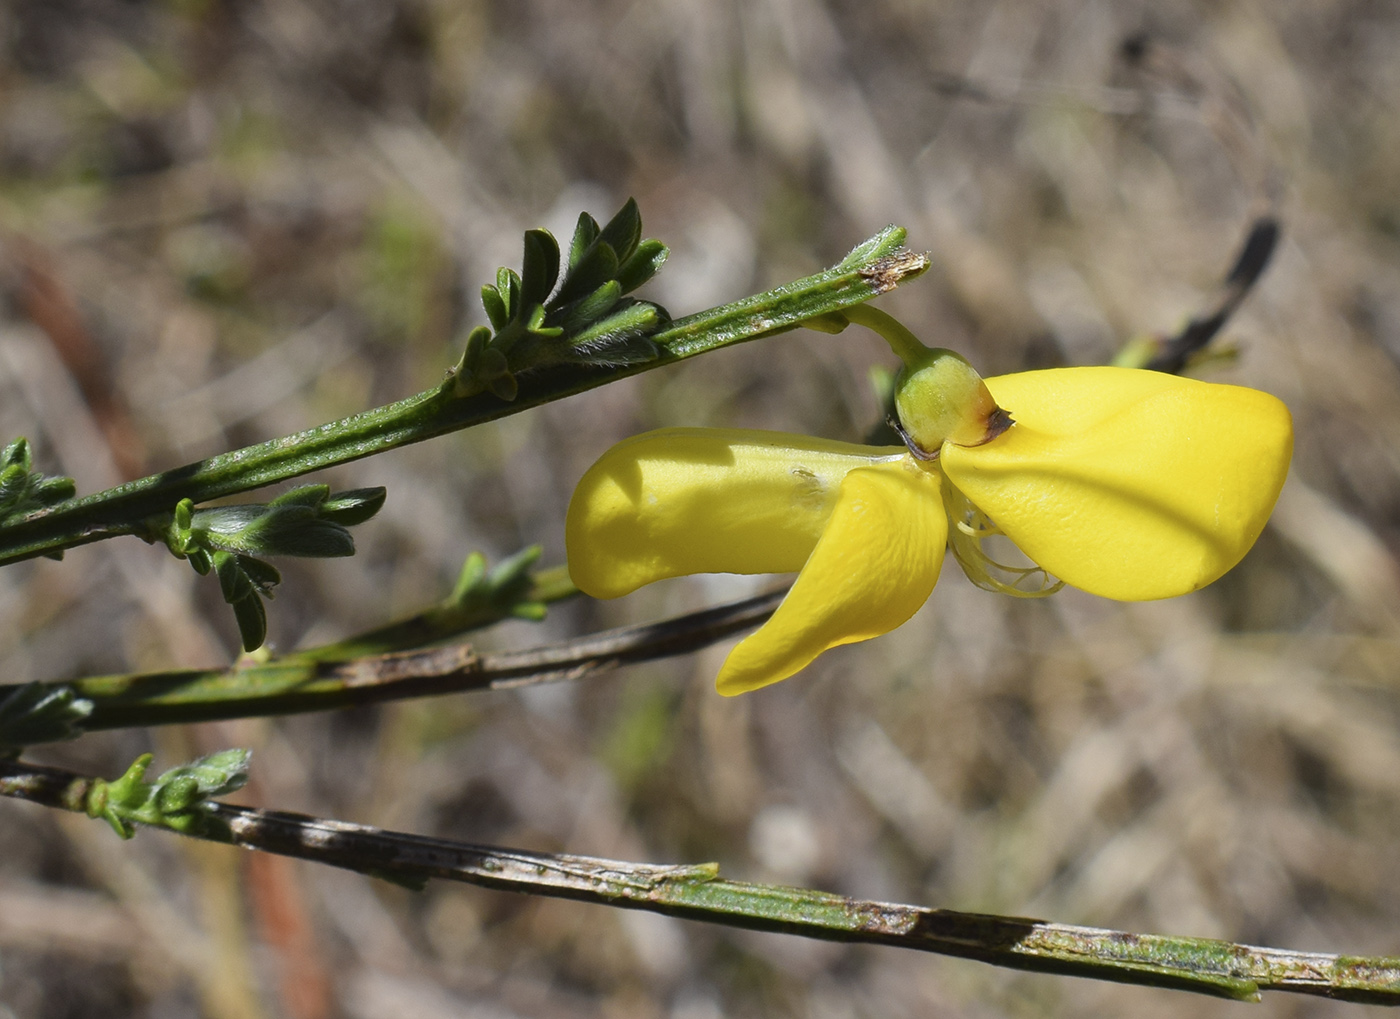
[{"x": 225, "y": 220}]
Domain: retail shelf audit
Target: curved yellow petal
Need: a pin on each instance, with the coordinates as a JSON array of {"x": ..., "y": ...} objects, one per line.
[
  {"x": 875, "y": 564},
  {"x": 1126, "y": 483},
  {"x": 704, "y": 500}
]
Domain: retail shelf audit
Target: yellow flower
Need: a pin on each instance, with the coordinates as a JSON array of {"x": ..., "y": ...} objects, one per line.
[{"x": 1129, "y": 484}]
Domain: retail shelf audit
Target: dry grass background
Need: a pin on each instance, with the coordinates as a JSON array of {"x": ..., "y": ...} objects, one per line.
[{"x": 224, "y": 221}]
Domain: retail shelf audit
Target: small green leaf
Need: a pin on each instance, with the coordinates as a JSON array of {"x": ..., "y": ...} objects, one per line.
[
  {"x": 596, "y": 267},
  {"x": 281, "y": 534},
  {"x": 623, "y": 350},
  {"x": 495, "y": 307},
  {"x": 54, "y": 488},
  {"x": 262, "y": 575},
  {"x": 353, "y": 507},
  {"x": 585, "y": 233},
  {"x": 590, "y": 308},
  {"x": 291, "y": 529},
  {"x": 14, "y": 482},
  {"x": 630, "y": 320},
  {"x": 177, "y": 796},
  {"x": 221, "y": 526},
  {"x": 473, "y": 572},
  {"x": 17, "y": 454},
  {"x": 233, "y": 582},
  {"x": 304, "y": 495},
  {"x": 624, "y": 230},
  {"x": 534, "y": 323},
  {"x": 505, "y": 387},
  {"x": 508, "y": 283},
  {"x": 515, "y": 569},
  {"x": 539, "y": 269},
  {"x": 252, "y": 622},
  {"x": 645, "y": 263},
  {"x": 216, "y": 774}
]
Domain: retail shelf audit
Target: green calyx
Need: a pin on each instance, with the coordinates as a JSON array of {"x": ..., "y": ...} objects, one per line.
[{"x": 940, "y": 398}]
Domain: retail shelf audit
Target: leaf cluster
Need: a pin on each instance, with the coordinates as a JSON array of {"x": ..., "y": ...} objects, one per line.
[
  {"x": 176, "y": 799},
  {"x": 40, "y": 713},
  {"x": 504, "y": 587},
  {"x": 586, "y": 319},
  {"x": 23, "y": 489},
  {"x": 307, "y": 522}
]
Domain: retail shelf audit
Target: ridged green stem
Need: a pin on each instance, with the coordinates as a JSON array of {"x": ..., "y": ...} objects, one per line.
[{"x": 873, "y": 268}]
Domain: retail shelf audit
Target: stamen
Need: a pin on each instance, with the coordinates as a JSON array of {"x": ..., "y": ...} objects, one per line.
[{"x": 970, "y": 527}]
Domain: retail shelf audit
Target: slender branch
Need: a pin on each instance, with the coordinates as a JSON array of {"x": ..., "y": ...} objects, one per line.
[
  {"x": 1201, "y": 965},
  {"x": 873, "y": 268},
  {"x": 310, "y": 682},
  {"x": 1173, "y": 354}
]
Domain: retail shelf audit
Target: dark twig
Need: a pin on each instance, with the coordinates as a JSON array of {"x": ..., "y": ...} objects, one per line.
[
  {"x": 298, "y": 684},
  {"x": 1201, "y": 965},
  {"x": 1174, "y": 352}
]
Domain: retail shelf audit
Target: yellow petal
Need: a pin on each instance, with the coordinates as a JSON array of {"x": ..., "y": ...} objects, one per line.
[
  {"x": 875, "y": 564},
  {"x": 1129, "y": 484},
  {"x": 704, "y": 500}
]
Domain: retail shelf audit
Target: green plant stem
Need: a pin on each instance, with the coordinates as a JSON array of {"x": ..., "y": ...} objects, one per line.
[
  {"x": 1201, "y": 965},
  {"x": 317, "y": 681},
  {"x": 875, "y": 267},
  {"x": 909, "y": 348}
]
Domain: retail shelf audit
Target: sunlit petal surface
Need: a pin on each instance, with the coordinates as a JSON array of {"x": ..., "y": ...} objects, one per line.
[
  {"x": 704, "y": 500},
  {"x": 875, "y": 564},
  {"x": 1128, "y": 484}
]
